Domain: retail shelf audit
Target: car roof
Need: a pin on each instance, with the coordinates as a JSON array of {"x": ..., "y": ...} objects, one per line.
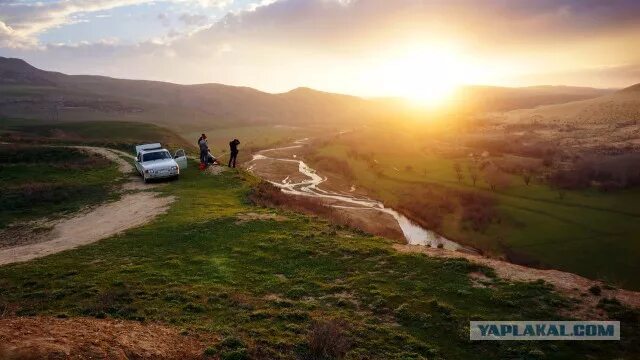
[{"x": 152, "y": 150}]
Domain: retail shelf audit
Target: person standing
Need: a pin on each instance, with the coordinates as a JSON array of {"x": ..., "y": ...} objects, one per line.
[
  {"x": 204, "y": 148},
  {"x": 233, "y": 147}
]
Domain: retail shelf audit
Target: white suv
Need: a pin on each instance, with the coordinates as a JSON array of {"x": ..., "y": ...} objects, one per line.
[{"x": 155, "y": 162}]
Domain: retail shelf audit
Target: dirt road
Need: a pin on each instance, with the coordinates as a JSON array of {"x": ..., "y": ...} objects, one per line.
[{"x": 133, "y": 209}]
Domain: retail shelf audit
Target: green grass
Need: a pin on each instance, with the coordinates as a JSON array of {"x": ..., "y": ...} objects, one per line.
[
  {"x": 261, "y": 284},
  {"x": 588, "y": 232},
  {"x": 47, "y": 182}
]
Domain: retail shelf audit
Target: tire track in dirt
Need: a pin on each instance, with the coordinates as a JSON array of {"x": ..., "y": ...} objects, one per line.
[{"x": 131, "y": 210}]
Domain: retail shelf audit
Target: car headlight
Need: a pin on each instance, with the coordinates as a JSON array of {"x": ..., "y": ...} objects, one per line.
[{"x": 174, "y": 168}]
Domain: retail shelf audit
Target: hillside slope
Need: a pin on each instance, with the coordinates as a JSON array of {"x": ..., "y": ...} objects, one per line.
[
  {"x": 28, "y": 92},
  {"x": 620, "y": 107},
  {"x": 32, "y": 93},
  {"x": 491, "y": 98},
  {"x": 267, "y": 284}
]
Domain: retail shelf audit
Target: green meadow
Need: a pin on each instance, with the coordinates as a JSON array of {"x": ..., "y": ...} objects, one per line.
[
  {"x": 259, "y": 286},
  {"x": 588, "y": 232}
]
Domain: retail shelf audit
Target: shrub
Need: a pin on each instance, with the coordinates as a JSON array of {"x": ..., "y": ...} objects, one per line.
[
  {"x": 327, "y": 339},
  {"x": 478, "y": 210},
  {"x": 193, "y": 308},
  {"x": 595, "y": 290},
  {"x": 427, "y": 206},
  {"x": 230, "y": 348}
]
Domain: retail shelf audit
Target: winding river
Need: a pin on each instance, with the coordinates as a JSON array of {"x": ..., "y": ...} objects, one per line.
[{"x": 309, "y": 186}]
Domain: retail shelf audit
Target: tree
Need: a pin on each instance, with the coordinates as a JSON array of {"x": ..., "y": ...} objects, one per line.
[
  {"x": 526, "y": 176},
  {"x": 495, "y": 178},
  {"x": 473, "y": 173},
  {"x": 458, "y": 169}
]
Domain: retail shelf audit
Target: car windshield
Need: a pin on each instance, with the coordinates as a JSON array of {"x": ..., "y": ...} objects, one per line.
[{"x": 158, "y": 155}]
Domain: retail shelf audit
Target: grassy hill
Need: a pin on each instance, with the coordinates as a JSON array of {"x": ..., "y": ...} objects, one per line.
[
  {"x": 492, "y": 98},
  {"x": 618, "y": 108},
  {"x": 289, "y": 287},
  {"x": 28, "y": 92},
  {"x": 31, "y": 93}
]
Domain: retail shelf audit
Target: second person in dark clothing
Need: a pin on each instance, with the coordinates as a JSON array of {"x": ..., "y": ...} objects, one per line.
[
  {"x": 233, "y": 148},
  {"x": 204, "y": 148}
]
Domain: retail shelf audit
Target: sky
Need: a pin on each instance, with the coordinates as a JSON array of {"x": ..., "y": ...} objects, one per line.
[{"x": 361, "y": 47}]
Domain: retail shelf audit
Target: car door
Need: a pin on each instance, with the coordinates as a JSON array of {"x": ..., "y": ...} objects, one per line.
[
  {"x": 181, "y": 159},
  {"x": 138, "y": 164}
]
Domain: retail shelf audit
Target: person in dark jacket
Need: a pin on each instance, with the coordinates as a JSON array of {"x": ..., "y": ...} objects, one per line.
[
  {"x": 233, "y": 147},
  {"x": 204, "y": 148}
]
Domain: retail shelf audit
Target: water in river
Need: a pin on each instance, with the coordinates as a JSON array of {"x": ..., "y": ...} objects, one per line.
[{"x": 414, "y": 234}]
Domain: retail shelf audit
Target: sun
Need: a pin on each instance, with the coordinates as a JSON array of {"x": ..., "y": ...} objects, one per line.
[{"x": 426, "y": 75}]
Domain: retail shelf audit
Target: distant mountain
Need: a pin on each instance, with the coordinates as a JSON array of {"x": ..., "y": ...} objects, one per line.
[
  {"x": 489, "y": 98},
  {"x": 31, "y": 93},
  {"x": 620, "y": 107},
  {"x": 28, "y": 92},
  {"x": 19, "y": 72},
  {"x": 631, "y": 89}
]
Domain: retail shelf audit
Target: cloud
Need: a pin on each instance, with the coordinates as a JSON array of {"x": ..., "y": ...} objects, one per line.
[
  {"x": 7, "y": 36},
  {"x": 511, "y": 21},
  {"x": 276, "y": 45},
  {"x": 164, "y": 19},
  {"x": 194, "y": 19},
  {"x": 23, "y": 21}
]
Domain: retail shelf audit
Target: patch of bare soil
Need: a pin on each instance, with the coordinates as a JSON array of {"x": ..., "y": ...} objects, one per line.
[
  {"x": 243, "y": 218},
  {"x": 24, "y": 233},
  {"x": 216, "y": 169},
  {"x": 86, "y": 338},
  {"x": 568, "y": 284},
  {"x": 90, "y": 225}
]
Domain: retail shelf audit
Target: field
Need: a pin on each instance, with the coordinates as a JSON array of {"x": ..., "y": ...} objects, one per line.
[
  {"x": 576, "y": 231},
  {"x": 50, "y": 181},
  {"x": 260, "y": 281}
]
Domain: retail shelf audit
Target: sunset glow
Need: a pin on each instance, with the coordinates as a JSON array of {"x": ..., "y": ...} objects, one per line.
[
  {"x": 425, "y": 74},
  {"x": 415, "y": 49}
]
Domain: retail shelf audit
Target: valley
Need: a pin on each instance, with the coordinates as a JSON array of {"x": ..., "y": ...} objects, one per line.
[{"x": 388, "y": 227}]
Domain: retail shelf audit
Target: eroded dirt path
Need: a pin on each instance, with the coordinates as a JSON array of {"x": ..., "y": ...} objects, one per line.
[
  {"x": 84, "y": 338},
  {"x": 137, "y": 207}
]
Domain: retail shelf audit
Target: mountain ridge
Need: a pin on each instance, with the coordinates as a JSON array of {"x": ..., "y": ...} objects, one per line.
[{"x": 30, "y": 92}]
